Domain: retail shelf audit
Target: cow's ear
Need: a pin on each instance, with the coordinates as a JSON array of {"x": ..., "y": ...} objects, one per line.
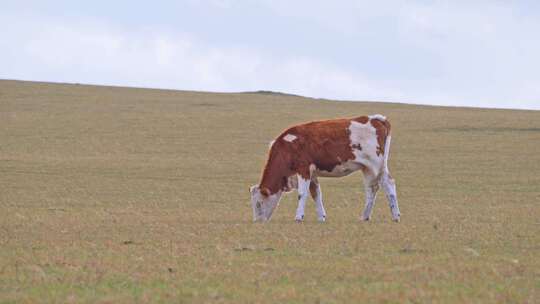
[{"x": 265, "y": 192}]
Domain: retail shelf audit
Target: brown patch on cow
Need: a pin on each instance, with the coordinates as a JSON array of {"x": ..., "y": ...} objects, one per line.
[
  {"x": 361, "y": 119},
  {"x": 382, "y": 128},
  {"x": 324, "y": 144}
]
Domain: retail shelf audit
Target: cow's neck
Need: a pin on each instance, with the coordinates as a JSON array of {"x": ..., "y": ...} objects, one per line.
[{"x": 276, "y": 173}]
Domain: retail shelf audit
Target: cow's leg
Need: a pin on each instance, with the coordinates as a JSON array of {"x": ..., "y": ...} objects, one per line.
[
  {"x": 371, "y": 186},
  {"x": 303, "y": 193},
  {"x": 316, "y": 194},
  {"x": 389, "y": 187}
]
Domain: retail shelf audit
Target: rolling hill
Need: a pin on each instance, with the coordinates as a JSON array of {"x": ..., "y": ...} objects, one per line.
[{"x": 122, "y": 195}]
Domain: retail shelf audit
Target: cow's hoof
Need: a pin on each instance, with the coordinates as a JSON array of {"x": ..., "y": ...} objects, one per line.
[
  {"x": 322, "y": 219},
  {"x": 366, "y": 219},
  {"x": 396, "y": 220},
  {"x": 299, "y": 219}
]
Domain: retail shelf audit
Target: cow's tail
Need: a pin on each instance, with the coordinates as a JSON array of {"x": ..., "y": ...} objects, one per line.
[
  {"x": 387, "y": 141},
  {"x": 387, "y": 152}
]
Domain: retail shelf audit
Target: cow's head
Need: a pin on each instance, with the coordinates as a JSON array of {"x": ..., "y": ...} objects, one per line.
[{"x": 263, "y": 203}]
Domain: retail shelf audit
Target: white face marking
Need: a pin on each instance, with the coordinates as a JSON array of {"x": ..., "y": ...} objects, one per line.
[
  {"x": 263, "y": 207},
  {"x": 289, "y": 137},
  {"x": 377, "y": 116}
]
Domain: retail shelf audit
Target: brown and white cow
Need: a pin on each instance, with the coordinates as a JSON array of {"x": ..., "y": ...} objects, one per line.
[{"x": 329, "y": 148}]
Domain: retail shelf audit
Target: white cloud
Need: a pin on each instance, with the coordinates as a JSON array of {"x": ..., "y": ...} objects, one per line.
[
  {"x": 486, "y": 49},
  {"x": 479, "y": 53},
  {"x": 109, "y": 55}
]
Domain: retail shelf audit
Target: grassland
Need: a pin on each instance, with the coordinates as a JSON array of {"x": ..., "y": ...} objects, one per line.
[{"x": 123, "y": 195}]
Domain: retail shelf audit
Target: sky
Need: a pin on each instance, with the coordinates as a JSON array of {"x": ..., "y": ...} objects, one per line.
[{"x": 458, "y": 53}]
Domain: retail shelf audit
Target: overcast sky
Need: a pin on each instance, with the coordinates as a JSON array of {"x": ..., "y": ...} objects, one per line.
[{"x": 474, "y": 53}]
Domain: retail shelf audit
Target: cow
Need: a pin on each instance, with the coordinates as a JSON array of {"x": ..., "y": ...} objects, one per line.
[{"x": 329, "y": 148}]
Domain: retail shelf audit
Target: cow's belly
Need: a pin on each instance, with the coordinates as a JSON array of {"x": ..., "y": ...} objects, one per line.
[{"x": 340, "y": 170}]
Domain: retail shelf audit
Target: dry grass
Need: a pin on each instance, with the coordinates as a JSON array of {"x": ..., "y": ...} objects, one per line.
[{"x": 116, "y": 195}]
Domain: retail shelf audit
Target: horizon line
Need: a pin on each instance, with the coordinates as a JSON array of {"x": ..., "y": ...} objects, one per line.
[{"x": 267, "y": 92}]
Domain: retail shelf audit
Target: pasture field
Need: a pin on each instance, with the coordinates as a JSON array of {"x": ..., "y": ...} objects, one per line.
[{"x": 125, "y": 195}]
